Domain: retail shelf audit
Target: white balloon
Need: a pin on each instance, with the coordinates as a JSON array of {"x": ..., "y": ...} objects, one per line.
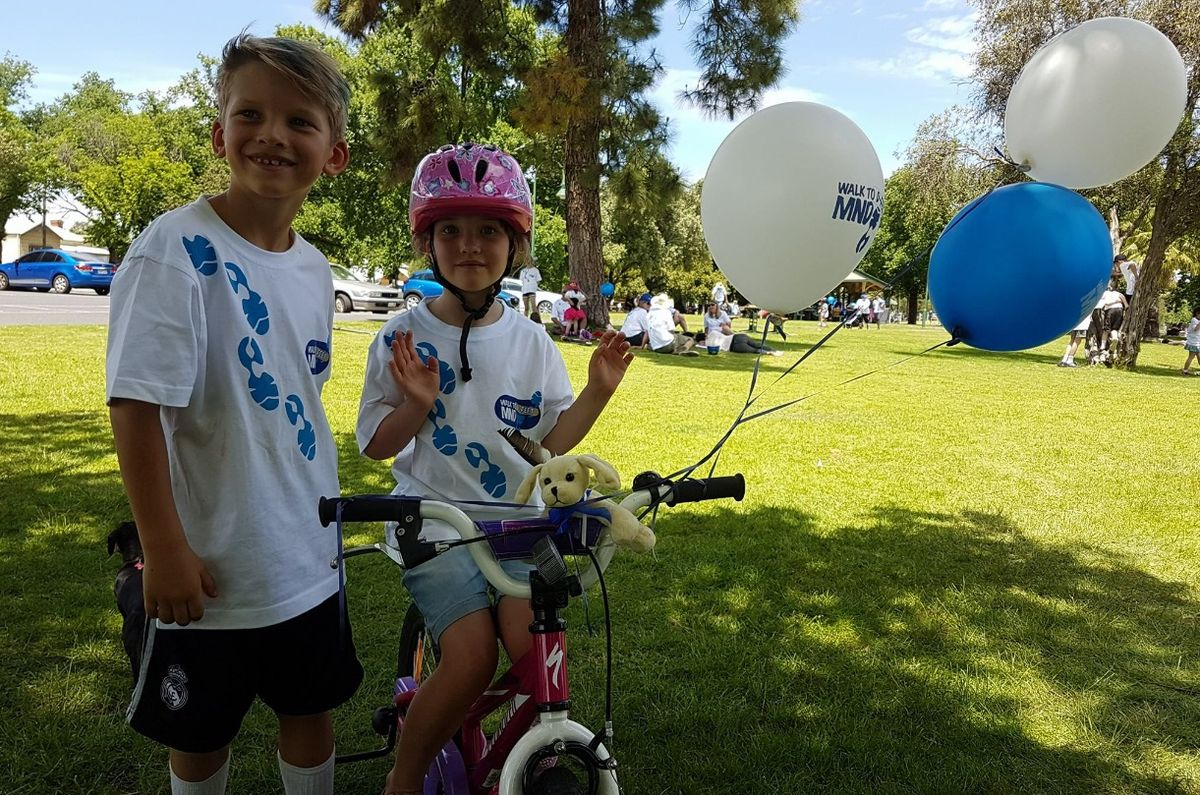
[
  {"x": 1096, "y": 103},
  {"x": 791, "y": 201}
]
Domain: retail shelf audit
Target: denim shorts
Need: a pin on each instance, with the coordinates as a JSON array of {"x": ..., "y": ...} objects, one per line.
[{"x": 450, "y": 586}]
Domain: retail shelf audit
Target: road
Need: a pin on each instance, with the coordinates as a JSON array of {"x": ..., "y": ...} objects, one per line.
[{"x": 82, "y": 308}]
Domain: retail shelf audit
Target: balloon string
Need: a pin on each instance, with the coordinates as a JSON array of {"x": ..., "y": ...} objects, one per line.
[
  {"x": 742, "y": 418},
  {"x": 858, "y": 377}
]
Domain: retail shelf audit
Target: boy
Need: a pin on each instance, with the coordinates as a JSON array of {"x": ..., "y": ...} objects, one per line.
[{"x": 218, "y": 348}]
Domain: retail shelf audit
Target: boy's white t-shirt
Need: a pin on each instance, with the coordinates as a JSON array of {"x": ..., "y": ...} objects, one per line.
[
  {"x": 636, "y": 322},
  {"x": 518, "y": 383},
  {"x": 1193, "y": 333},
  {"x": 530, "y": 278},
  {"x": 234, "y": 343}
]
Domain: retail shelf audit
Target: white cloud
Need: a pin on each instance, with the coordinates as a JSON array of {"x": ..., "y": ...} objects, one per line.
[
  {"x": 942, "y": 48},
  {"x": 956, "y": 34},
  {"x": 938, "y": 5}
]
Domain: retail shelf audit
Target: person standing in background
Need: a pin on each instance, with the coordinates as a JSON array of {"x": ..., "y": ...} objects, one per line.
[{"x": 530, "y": 277}]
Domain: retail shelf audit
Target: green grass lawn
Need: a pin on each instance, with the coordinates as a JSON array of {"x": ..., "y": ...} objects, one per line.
[{"x": 973, "y": 572}]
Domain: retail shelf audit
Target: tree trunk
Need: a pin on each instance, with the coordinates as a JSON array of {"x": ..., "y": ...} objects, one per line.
[
  {"x": 585, "y": 48},
  {"x": 914, "y": 296},
  {"x": 1145, "y": 296},
  {"x": 1150, "y": 277}
]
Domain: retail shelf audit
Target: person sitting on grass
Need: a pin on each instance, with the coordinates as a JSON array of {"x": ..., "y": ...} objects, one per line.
[
  {"x": 574, "y": 319},
  {"x": 663, "y": 319},
  {"x": 716, "y": 321},
  {"x": 636, "y": 327}
]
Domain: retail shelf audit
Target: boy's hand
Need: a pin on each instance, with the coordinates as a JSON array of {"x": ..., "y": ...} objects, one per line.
[
  {"x": 609, "y": 362},
  {"x": 174, "y": 583},
  {"x": 418, "y": 380}
]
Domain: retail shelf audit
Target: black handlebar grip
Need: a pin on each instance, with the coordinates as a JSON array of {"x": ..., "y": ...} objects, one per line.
[
  {"x": 708, "y": 489},
  {"x": 366, "y": 508}
]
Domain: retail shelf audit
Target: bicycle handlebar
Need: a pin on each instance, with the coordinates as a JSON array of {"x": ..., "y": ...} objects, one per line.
[
  {"x": 708, "y": 489},
  {"x": 361, "y": 508},
  {"x": 389, "y": 508}
]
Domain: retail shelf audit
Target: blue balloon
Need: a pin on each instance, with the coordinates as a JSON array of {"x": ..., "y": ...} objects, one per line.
[
  {"x": 1019, "y": 266},
  {"x": 830, "y": 300},
  {"x": 607, "y": 289}
]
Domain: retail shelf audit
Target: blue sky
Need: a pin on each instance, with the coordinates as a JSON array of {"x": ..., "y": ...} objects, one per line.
[{"x": 887, "y": 64}]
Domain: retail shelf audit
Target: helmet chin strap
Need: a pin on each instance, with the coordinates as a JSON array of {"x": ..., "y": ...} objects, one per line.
[{"x": 472, "y": 314}]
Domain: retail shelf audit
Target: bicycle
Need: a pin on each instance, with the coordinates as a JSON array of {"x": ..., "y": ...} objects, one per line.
[{"x": 536, "y": 749}]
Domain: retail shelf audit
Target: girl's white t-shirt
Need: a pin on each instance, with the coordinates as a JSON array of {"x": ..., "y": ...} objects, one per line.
[{"x": 518, "y": 383}]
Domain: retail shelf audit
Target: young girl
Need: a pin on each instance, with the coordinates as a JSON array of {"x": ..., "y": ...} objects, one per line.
[
  {"x": 424, "y": 404},
  {"x": 574, "y": 317},
  {"x": 1191, "y": 341}
]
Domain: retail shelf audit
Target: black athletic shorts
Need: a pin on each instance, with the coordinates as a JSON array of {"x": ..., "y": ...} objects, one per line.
[{"x": 196, "y": 685}]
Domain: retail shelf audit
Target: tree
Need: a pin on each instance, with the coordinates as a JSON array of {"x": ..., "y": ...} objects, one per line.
[
  {"x": 128, "y": 159},
  {"x": 590, "y": 85},
  {"x": 20, "y": 163},
  {"x": 1009, "y": 33}
]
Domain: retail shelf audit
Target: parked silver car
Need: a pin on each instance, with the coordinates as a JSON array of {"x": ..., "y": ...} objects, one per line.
[
  {"x": 545, "y": 298},
  {"x": 351, "y": 293}
]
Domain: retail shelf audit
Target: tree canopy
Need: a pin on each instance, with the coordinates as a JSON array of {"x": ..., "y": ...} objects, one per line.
[{"x": 583, "y": 84}]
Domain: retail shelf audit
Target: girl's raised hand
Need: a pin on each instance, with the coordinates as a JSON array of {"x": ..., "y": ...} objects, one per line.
[
  {"x": 609, "y": 362},
  {"x": 417, "y": 380}
]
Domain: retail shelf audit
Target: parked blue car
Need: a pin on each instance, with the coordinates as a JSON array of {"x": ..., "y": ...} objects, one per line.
[
  {"x": 60, "y": 271},
  {"x": 421, "y": 286}
]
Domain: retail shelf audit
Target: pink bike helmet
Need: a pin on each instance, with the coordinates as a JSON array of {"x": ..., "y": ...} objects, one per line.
[{"x": 469, "y": 179}]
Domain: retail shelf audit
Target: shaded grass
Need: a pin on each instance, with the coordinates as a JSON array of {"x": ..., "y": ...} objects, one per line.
[{"x": 970, "y": 573}]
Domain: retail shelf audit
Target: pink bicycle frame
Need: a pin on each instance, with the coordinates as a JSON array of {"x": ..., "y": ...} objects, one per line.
[{"x": 537, "y": 679}]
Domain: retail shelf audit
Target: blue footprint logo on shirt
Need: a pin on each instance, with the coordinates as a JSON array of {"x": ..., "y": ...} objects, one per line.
[
  {"x": 446, "y": 379},
  {"x": 253, "y": 306},
  {"x": 445, "y": 440},
  {"x": 492, "y": 478},
  {"x": 306, "y": 437},
  {"x": 263, "y": 389},
  {"x": 202, "y": 254}
]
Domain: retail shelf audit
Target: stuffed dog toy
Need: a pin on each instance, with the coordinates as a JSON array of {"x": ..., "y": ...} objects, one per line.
[
  {"x": 563, "y": 482},
  {"x": 128, "y": 590}
]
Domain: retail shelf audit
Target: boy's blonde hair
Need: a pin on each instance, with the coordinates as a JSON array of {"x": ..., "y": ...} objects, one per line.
[{"x": 312, "y": 70}]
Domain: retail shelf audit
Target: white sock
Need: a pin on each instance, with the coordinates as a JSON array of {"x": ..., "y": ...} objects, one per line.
[
  {"x": 307, "y": 780},
  {"x": 213, "y": 785}
]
